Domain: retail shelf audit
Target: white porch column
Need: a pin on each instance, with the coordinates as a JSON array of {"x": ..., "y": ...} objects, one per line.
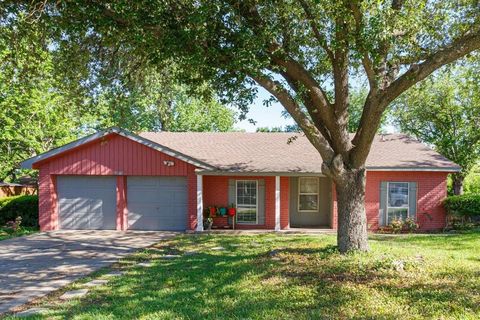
[
  {"x": 199, "y": 202},
  {"x": 277, "y": 203}
]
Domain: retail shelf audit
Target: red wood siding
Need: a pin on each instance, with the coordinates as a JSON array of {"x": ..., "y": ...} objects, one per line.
[
  {"x": 121, "y": 202},
  {"x": 116, "y": 155},
  {"x": 431, "y": 190},
  {"x": 47, "y": 200},
  {"x": 110, "y": 155},
  {"x": 192, "y": 197}
]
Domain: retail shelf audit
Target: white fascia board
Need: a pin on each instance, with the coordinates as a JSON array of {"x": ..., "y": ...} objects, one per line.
[{"x": 419, "y": 169}]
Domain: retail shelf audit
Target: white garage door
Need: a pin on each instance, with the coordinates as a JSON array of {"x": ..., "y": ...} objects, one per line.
[
  {"x": 157, "y": 203},
  {"x": 86, "y": 202}
]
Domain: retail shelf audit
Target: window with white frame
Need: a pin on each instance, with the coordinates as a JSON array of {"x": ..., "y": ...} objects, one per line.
[
  {"x": 397, "y": 201},
  {"x": 308, "y": 194},
  {"x": 247, "y": 205}
]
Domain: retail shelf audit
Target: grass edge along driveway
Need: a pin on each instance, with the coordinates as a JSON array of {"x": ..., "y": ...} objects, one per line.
[
  {"x": 23, "y": 232},
  {"x": 272, "y": 276}
]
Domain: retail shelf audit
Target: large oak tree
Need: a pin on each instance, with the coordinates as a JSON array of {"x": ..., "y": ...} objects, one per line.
[{"x": 304, "y": 52}]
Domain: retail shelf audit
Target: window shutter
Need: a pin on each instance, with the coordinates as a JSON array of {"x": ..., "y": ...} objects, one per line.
[
  {"x": 382, "y": 212},
  {"x": 412, "y": 199},
  {"x": 232, "y": 195},
  {"x": 231, "y": 192},
  {"x": 261, "y": 201}
]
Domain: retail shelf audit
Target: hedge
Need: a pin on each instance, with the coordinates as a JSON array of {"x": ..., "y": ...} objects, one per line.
[
  {"x": 467, "y": 205},
  {"x": 23, "y": 206}
]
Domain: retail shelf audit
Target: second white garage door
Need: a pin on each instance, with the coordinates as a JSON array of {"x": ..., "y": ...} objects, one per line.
[{"x": 157, "y": 203}]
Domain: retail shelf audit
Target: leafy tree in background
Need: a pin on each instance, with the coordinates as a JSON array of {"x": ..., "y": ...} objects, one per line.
[
  {"x": 52, "y": 92},
  {"x": 156, "y": 103},
  {"x": 444, "y": 112},
  {"x": 472, "y": 180},
  {"x": 286, "y": 128},
  {"x": 34, "y": 114},
  {"x": 303, "y": 52}
]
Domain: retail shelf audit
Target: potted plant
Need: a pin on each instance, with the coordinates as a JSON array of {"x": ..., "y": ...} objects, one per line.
[
  {"x": 232, "y": 211},
  {"x": 207, "y": 223},
  {"x": 222, "y": 211},
  {"x": 212, "y": 211}
]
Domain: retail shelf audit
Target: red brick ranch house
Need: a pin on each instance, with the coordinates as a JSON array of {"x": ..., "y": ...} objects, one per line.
[{"x": 115, "y": 179}]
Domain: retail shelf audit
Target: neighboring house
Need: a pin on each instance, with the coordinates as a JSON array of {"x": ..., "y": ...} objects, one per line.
[
  {"x": 163, "y": 181},
  {"x": 8, "y": 189}
]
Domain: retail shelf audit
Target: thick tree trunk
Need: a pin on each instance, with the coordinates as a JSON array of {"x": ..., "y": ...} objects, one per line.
[
  {"x": 352, "y": 220},
  {"x": 458, "y": 183}
]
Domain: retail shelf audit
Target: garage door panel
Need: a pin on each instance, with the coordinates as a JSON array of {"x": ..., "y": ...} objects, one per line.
[
  {"x": 180, "y": 197},
  {"x": 157, "y": 203},
  {"x": 141, "y": 182},
  {"x": 66, "y": 204},
  {"x": 86, "y": 202},
  {"x": 74, "y": 221},
  {"x": 140, "y": 221},
  {"x": 96, "y": 206}
]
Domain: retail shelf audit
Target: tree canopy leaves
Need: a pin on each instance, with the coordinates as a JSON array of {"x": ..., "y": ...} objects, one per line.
[
  {"x": 444, "y": 111},
  {"x": 52, "y": 91}
]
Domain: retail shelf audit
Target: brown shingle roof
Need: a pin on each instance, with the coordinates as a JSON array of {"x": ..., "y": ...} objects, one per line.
[{"x": 271, "y": 152}]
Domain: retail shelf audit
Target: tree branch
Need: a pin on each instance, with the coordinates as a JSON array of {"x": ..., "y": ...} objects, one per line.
[
  {"x": 341, "y": 88},
  {"x": 311, "y": 108},
  {"x": 466, "y": 44},
  {"x": 318, "y": 105},
  {"x": 311, "y": 132},
  {"x": 316, "y": 32},
  {"x": 377, "y": 103},
  {"x": 366, "y": 61}
]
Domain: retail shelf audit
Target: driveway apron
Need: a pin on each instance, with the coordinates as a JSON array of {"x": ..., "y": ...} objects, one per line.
[{"x": 35, "y": 265}]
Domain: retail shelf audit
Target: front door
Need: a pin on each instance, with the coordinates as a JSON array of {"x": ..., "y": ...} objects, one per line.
[{"x": 310, "y": 202}]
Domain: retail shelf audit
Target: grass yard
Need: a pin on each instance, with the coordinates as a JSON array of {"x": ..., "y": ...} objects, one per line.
[
  {"x": 25, "y": 231},
  {"x": 289, "y": 277}
]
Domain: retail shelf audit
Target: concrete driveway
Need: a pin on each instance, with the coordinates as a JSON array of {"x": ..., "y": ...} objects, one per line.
[{"x": 33, "y": 266}]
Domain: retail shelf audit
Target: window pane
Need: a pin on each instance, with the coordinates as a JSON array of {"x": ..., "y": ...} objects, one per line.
[
  {"x": 247, "y": 201},
  {"x": 396, "y": 213},
  {"x": 246, "y": 215},
  {"x": 308, "y": 185},
  {"x": 247, "y": 193},
  {"x": 398, "y": 194},
  {"x": 308, "y": 202}
]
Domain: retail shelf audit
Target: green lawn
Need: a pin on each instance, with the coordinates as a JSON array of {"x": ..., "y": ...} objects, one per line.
[
  {"x": 290, "y": 277},
  {"x": 25, "y": 231}
]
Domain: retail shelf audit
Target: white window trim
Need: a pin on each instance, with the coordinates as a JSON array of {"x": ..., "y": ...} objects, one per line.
[
  {"x": 256, "y": 201},
  {"x": 308, "y": 194},
  {"x": 408, "y": 198}
]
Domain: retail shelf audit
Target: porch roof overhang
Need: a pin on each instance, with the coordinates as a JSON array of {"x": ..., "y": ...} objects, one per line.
[
  {"x": 256, "y": 173},
  {"x": 318, "y": 174}
]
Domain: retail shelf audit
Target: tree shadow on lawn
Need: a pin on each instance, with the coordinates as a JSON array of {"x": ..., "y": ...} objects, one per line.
[
  {"x": 443, "y": 241},
  {"x": 443, "y": 294},
  {"x": 248, "y": 283},
  {"x": 200, "y": 286}
]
